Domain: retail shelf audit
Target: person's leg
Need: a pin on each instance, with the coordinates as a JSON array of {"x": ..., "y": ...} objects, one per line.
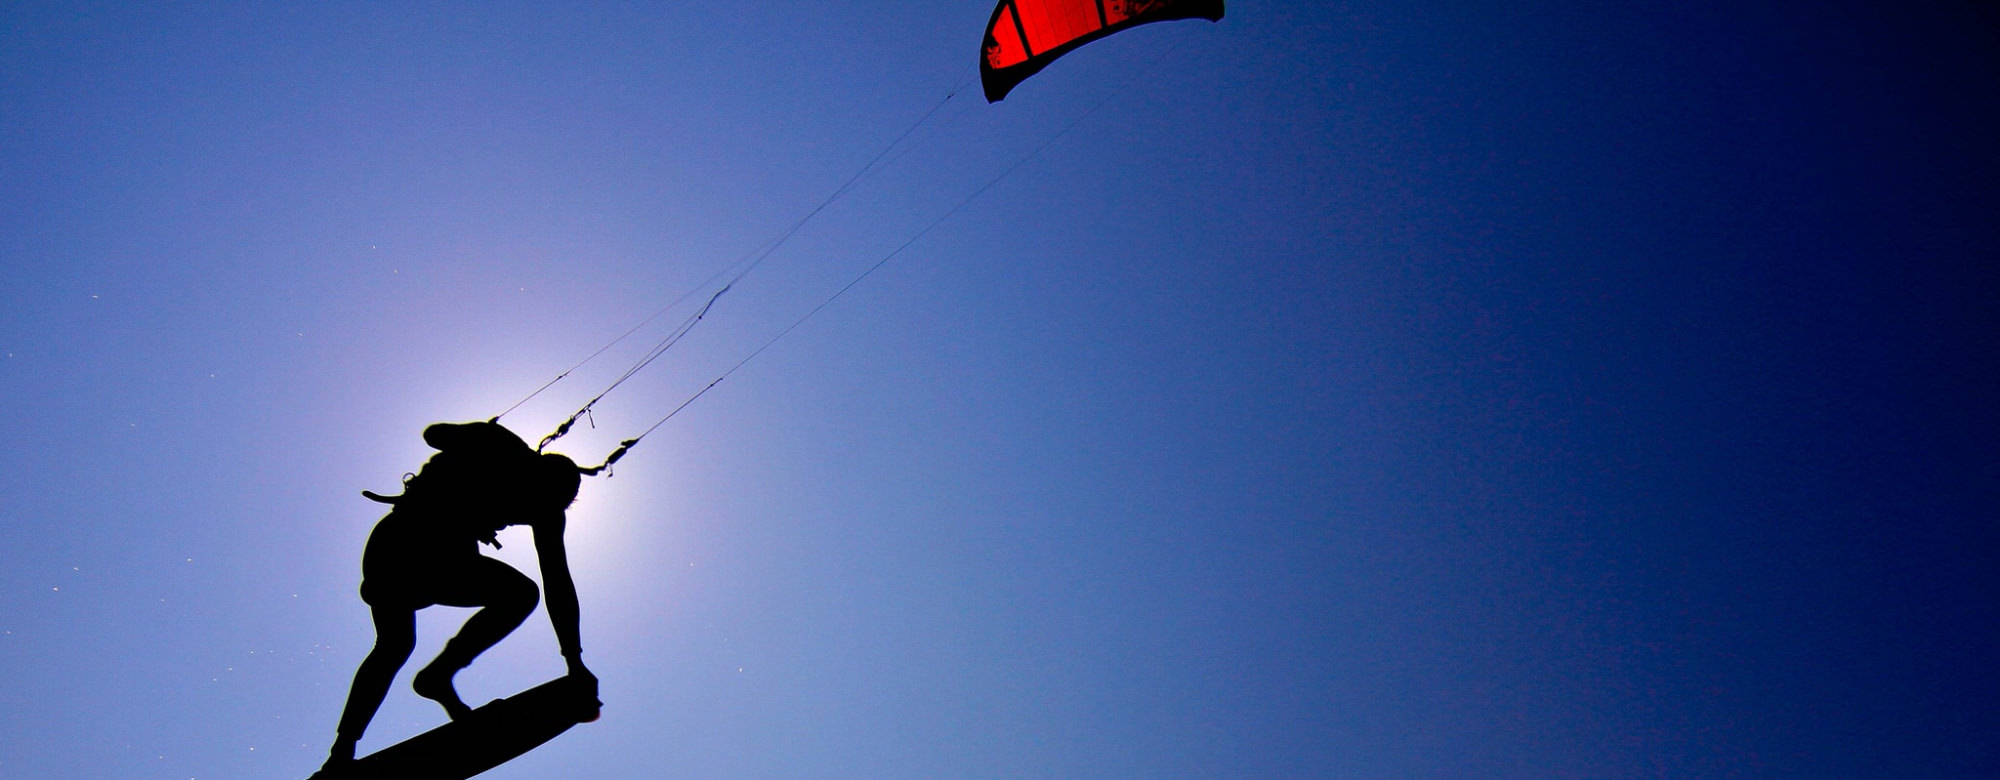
[
  {"x": 505, "y": 598},
  {"x": 395, "y": 637}
]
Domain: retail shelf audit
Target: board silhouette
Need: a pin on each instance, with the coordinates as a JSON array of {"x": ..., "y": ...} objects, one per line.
[{"x": 492, "y": 735}]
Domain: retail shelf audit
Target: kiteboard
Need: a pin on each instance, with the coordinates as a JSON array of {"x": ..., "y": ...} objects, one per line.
[{"x": 490, "y": 736}]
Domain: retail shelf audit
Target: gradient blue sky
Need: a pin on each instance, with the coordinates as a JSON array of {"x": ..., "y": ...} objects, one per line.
[{"x": 1367, "y": 390}]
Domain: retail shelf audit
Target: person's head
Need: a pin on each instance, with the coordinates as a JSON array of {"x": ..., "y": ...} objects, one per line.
[{"x": 558, "y": 479}]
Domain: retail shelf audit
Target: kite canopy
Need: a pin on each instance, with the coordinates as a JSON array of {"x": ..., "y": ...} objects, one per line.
[{"x": 1026, "y": 35}]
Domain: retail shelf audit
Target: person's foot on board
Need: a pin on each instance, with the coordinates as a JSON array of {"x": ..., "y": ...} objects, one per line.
[
  {"x": 435, "y": 684},
  {"x": 337, "y": 760}
]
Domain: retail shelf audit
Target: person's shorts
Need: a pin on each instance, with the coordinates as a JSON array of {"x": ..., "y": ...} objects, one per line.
[{"x": 408, "y": 563}]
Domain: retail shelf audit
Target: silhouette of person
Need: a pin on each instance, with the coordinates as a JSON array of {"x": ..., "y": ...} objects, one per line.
[{"x": 426, "y": 552}]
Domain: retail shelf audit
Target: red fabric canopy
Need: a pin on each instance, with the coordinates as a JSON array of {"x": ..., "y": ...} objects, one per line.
[{"x": 1026, "y": 35}]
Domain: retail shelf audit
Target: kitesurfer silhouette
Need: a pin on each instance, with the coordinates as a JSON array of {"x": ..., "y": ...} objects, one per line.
[{"x": 426, "y": 552}]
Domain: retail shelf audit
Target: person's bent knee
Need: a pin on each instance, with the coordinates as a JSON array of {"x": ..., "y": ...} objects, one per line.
[
  {"x": 531, "y": 596},
  {"x": 523, "y": 595}
]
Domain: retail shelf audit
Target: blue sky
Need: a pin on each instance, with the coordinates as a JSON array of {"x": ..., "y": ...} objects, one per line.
[{"x": 1362, "y": 390}]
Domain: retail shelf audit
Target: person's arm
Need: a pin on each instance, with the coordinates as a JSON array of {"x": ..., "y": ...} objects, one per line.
[{"x": 559, "y": 590}]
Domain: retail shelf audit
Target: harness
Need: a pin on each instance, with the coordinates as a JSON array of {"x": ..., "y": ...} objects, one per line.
[{"x": 473, "y": 481}]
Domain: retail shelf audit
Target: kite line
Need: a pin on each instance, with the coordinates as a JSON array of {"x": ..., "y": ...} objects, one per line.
[{"x": 756, "y": 257}]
